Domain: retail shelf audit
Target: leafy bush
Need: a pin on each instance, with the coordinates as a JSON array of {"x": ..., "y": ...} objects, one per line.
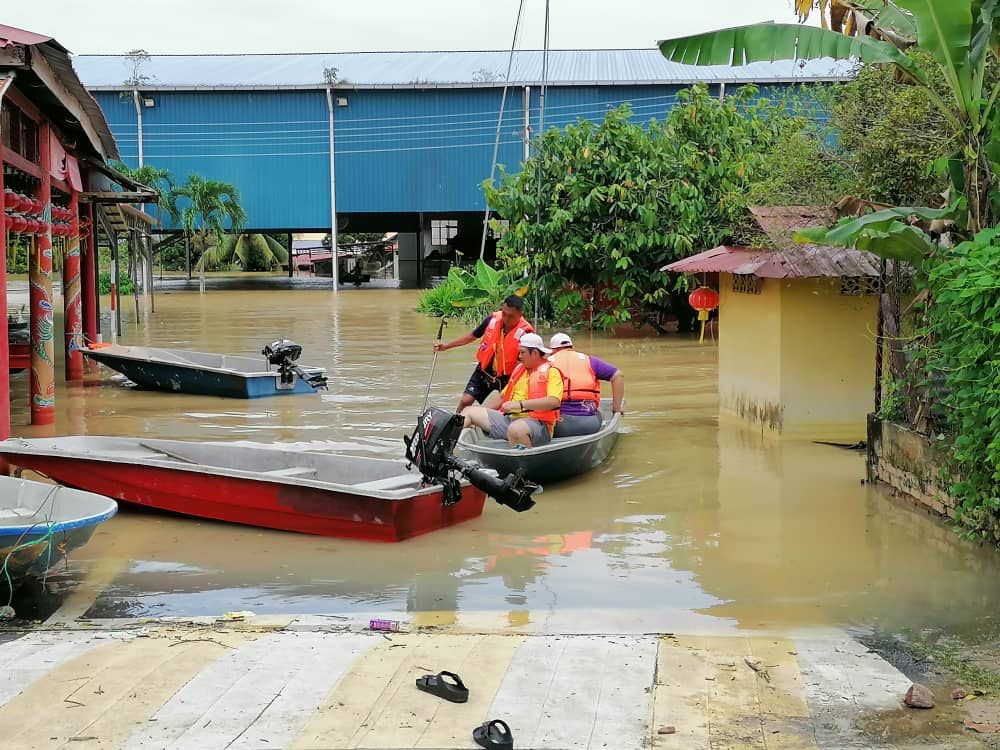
[
  {"x": 963, "y": 335},
  {"x": 124, "y": 282},
  {"x": 472, "y": 295}
]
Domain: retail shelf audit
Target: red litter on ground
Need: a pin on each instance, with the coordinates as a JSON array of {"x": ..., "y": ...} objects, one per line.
[{"x": 384, "y": 626}]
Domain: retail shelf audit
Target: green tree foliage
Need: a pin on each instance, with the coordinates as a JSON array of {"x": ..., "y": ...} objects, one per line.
[
  {"x": 875, "y": 137},
  {"x": 890, "y": 133},
  {"x": 959, "y": 37},
  {"x": 248, "y": 252},
  {"x": 618, "y": 200},
  {"x": 963, "y": 324}
]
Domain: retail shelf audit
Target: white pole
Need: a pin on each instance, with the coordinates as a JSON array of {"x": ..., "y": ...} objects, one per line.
[
  {"x": 333, "y": 197},
  {"x": 138, "y": 121},
  {"x": 527, "y": 123}
]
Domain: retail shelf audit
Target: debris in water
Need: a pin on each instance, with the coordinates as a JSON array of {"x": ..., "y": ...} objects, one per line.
[
  {"x": 982, "y": 728},
  {"x": 7, "y": 613},
  {"x": 667, "y": 730},
  {"x": 385, "y": 626},
  {"x": 236, "y": 616}
]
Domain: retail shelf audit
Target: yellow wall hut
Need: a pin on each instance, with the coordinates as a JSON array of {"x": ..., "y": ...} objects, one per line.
[{"x": 796, "y": 331}]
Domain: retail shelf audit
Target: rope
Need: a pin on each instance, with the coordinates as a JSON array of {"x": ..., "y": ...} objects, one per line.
[
  {"x": 46, "y": 538},
  {"x": 496, "y": 142}
]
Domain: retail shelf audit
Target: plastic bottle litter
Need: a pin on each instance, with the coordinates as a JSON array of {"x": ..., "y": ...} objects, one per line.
[{"x": 385, "y": 626}]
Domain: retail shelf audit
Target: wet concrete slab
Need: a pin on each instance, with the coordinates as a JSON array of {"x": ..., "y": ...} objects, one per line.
[{"x": 311, "y": 683}]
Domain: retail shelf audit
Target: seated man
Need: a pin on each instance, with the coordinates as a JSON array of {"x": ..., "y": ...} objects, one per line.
[
  {"x": 531, "y": 400},
  {"x": 580, "y": 413}
]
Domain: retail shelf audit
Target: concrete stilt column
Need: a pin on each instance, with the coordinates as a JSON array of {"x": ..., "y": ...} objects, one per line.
[
  {"x": 43, "y": 379},
  {"x": 72, "y": 307}
]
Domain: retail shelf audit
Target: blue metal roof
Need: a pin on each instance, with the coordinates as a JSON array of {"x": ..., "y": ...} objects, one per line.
[{"x": 438, "y": 69}]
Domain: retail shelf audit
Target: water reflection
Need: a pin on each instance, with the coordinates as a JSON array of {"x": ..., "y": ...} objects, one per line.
[{"x": 687, "y": 527}]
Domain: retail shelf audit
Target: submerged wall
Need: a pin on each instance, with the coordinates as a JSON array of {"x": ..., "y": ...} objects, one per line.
[
  {"x": 796, "y": 357},
  {"x": 909, "y": 463}
]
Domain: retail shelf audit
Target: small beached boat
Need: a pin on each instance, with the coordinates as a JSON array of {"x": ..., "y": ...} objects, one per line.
[
  {"x": 40, "y": 523},
  {"x": 269, "y": 486},
  {"x": 561, "y": 458},
  {"x": 208, "y": 374}
]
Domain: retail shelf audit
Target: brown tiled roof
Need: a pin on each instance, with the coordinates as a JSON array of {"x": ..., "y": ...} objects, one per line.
[{"x": 789, "y": 260}]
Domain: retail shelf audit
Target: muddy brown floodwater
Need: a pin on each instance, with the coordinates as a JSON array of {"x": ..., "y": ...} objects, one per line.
[{"x": 687, "y": 526}]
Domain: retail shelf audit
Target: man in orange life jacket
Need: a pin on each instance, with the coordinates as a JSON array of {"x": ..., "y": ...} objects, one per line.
[
  {"x": 580, "y": 411},
  {"x": 531, "y": 400},
  {"x": 497, "y": 355}
]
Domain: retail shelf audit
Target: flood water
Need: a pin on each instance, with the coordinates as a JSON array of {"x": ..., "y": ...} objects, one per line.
[{"x": 687, "y": 527}]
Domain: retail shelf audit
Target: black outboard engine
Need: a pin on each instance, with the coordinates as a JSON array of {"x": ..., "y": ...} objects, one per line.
[
  {"x": 430, "y": 448},
  {"x": 283, "y": 354}
]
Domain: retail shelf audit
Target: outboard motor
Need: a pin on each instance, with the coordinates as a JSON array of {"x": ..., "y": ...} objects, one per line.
[
  {"x": 283, "y": 353},
  {"x": 430, "y": 448}
]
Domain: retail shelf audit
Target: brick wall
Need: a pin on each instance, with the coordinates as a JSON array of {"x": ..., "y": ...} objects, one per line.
[{"x": 909, "y": 463}]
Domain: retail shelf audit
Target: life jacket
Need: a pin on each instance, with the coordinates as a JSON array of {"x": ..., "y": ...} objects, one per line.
[
  {"x": 494, "y": 339},
  {"x": 538, "y": 387},
  {"x": 579, "y": 381}
]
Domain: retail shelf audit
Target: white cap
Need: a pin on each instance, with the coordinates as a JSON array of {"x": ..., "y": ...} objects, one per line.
[
  {"x": 533, "y": 341},
  {"x": 560, "y": 341}
]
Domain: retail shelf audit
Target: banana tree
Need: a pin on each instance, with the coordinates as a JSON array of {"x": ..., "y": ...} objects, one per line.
[
  {"x": 959, "y": 35},
  {"x": 875, "y": 18}
]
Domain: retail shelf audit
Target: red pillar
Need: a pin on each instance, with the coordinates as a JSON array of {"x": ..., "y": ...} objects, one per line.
[
  {"x": 4, "y": 346},
  {"x": 43, "y": 376},
  {"x": 88, "y": 283},
  {"x": 72, "y": 309}
]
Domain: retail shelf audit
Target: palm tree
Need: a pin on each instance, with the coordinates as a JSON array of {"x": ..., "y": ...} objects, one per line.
[
  {"x": 160, "y": 180},
  {"x": 211, "y": 205},
  {"x": 959, "y": 35},
  {"x": 251, "y": 252}
]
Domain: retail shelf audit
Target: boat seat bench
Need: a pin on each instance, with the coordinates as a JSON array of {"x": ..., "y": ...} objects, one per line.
[
  {"x": 292, "y": 471},
  {"x": 398, "y": 482}
]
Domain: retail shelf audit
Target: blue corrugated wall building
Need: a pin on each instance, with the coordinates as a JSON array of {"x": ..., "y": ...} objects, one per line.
[{"x": 414, "y": 132}]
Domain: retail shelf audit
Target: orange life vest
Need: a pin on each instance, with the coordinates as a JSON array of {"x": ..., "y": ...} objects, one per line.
[
  {"x": 538, "y": 387},
  {"x": 579, "y": 381},
  {"x": 495, "y": 342}
]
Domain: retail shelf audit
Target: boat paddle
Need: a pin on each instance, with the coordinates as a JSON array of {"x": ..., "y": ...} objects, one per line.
[{"x": 430, "y": 380}]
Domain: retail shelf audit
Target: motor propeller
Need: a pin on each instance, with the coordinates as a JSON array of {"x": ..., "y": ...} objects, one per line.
[{"x": 431, "y": 449}]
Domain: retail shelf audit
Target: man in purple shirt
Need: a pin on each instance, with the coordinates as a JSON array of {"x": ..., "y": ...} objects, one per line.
[{"x": 580, "y": 413}]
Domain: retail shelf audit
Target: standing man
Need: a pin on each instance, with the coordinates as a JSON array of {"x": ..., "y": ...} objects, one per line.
[
  {"x": 497, "y": 356},
  {"x": 531, "y": 400},
  {"x": 580, "y": 413}
]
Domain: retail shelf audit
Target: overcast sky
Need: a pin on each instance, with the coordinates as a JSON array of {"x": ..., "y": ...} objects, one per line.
[{"x": 205, "y": 26}]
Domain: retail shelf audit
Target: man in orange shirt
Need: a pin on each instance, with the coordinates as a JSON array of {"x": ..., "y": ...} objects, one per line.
[
  {"x": 497, "y": 355},
  {"x": 531, "y": 400}
]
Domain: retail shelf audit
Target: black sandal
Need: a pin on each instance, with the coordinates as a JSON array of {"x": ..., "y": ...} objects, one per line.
[
  {"x": 494, "y": 735},
  {"x": 435, "y": 684}
]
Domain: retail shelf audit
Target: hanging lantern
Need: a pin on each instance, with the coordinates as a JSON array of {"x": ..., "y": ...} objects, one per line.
[
  {"x": 17, "y": 224},
  {"x": 10, "y": 200},
  {"x": 703, "y": 299}
]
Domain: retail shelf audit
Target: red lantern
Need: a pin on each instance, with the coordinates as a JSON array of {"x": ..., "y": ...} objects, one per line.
[
  {"x": 17, "y": 224},
  {"x": 703, "y": 299},
  {"x": 10, "y": 200}
]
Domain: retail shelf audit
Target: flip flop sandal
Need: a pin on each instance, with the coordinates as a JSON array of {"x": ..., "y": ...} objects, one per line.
[
  {"x": 435, "y": 684},
  {"x": 494, "y": 735}
]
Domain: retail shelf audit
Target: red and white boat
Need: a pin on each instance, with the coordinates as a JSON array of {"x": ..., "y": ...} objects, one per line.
[{"x": 270, "y": 486}]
